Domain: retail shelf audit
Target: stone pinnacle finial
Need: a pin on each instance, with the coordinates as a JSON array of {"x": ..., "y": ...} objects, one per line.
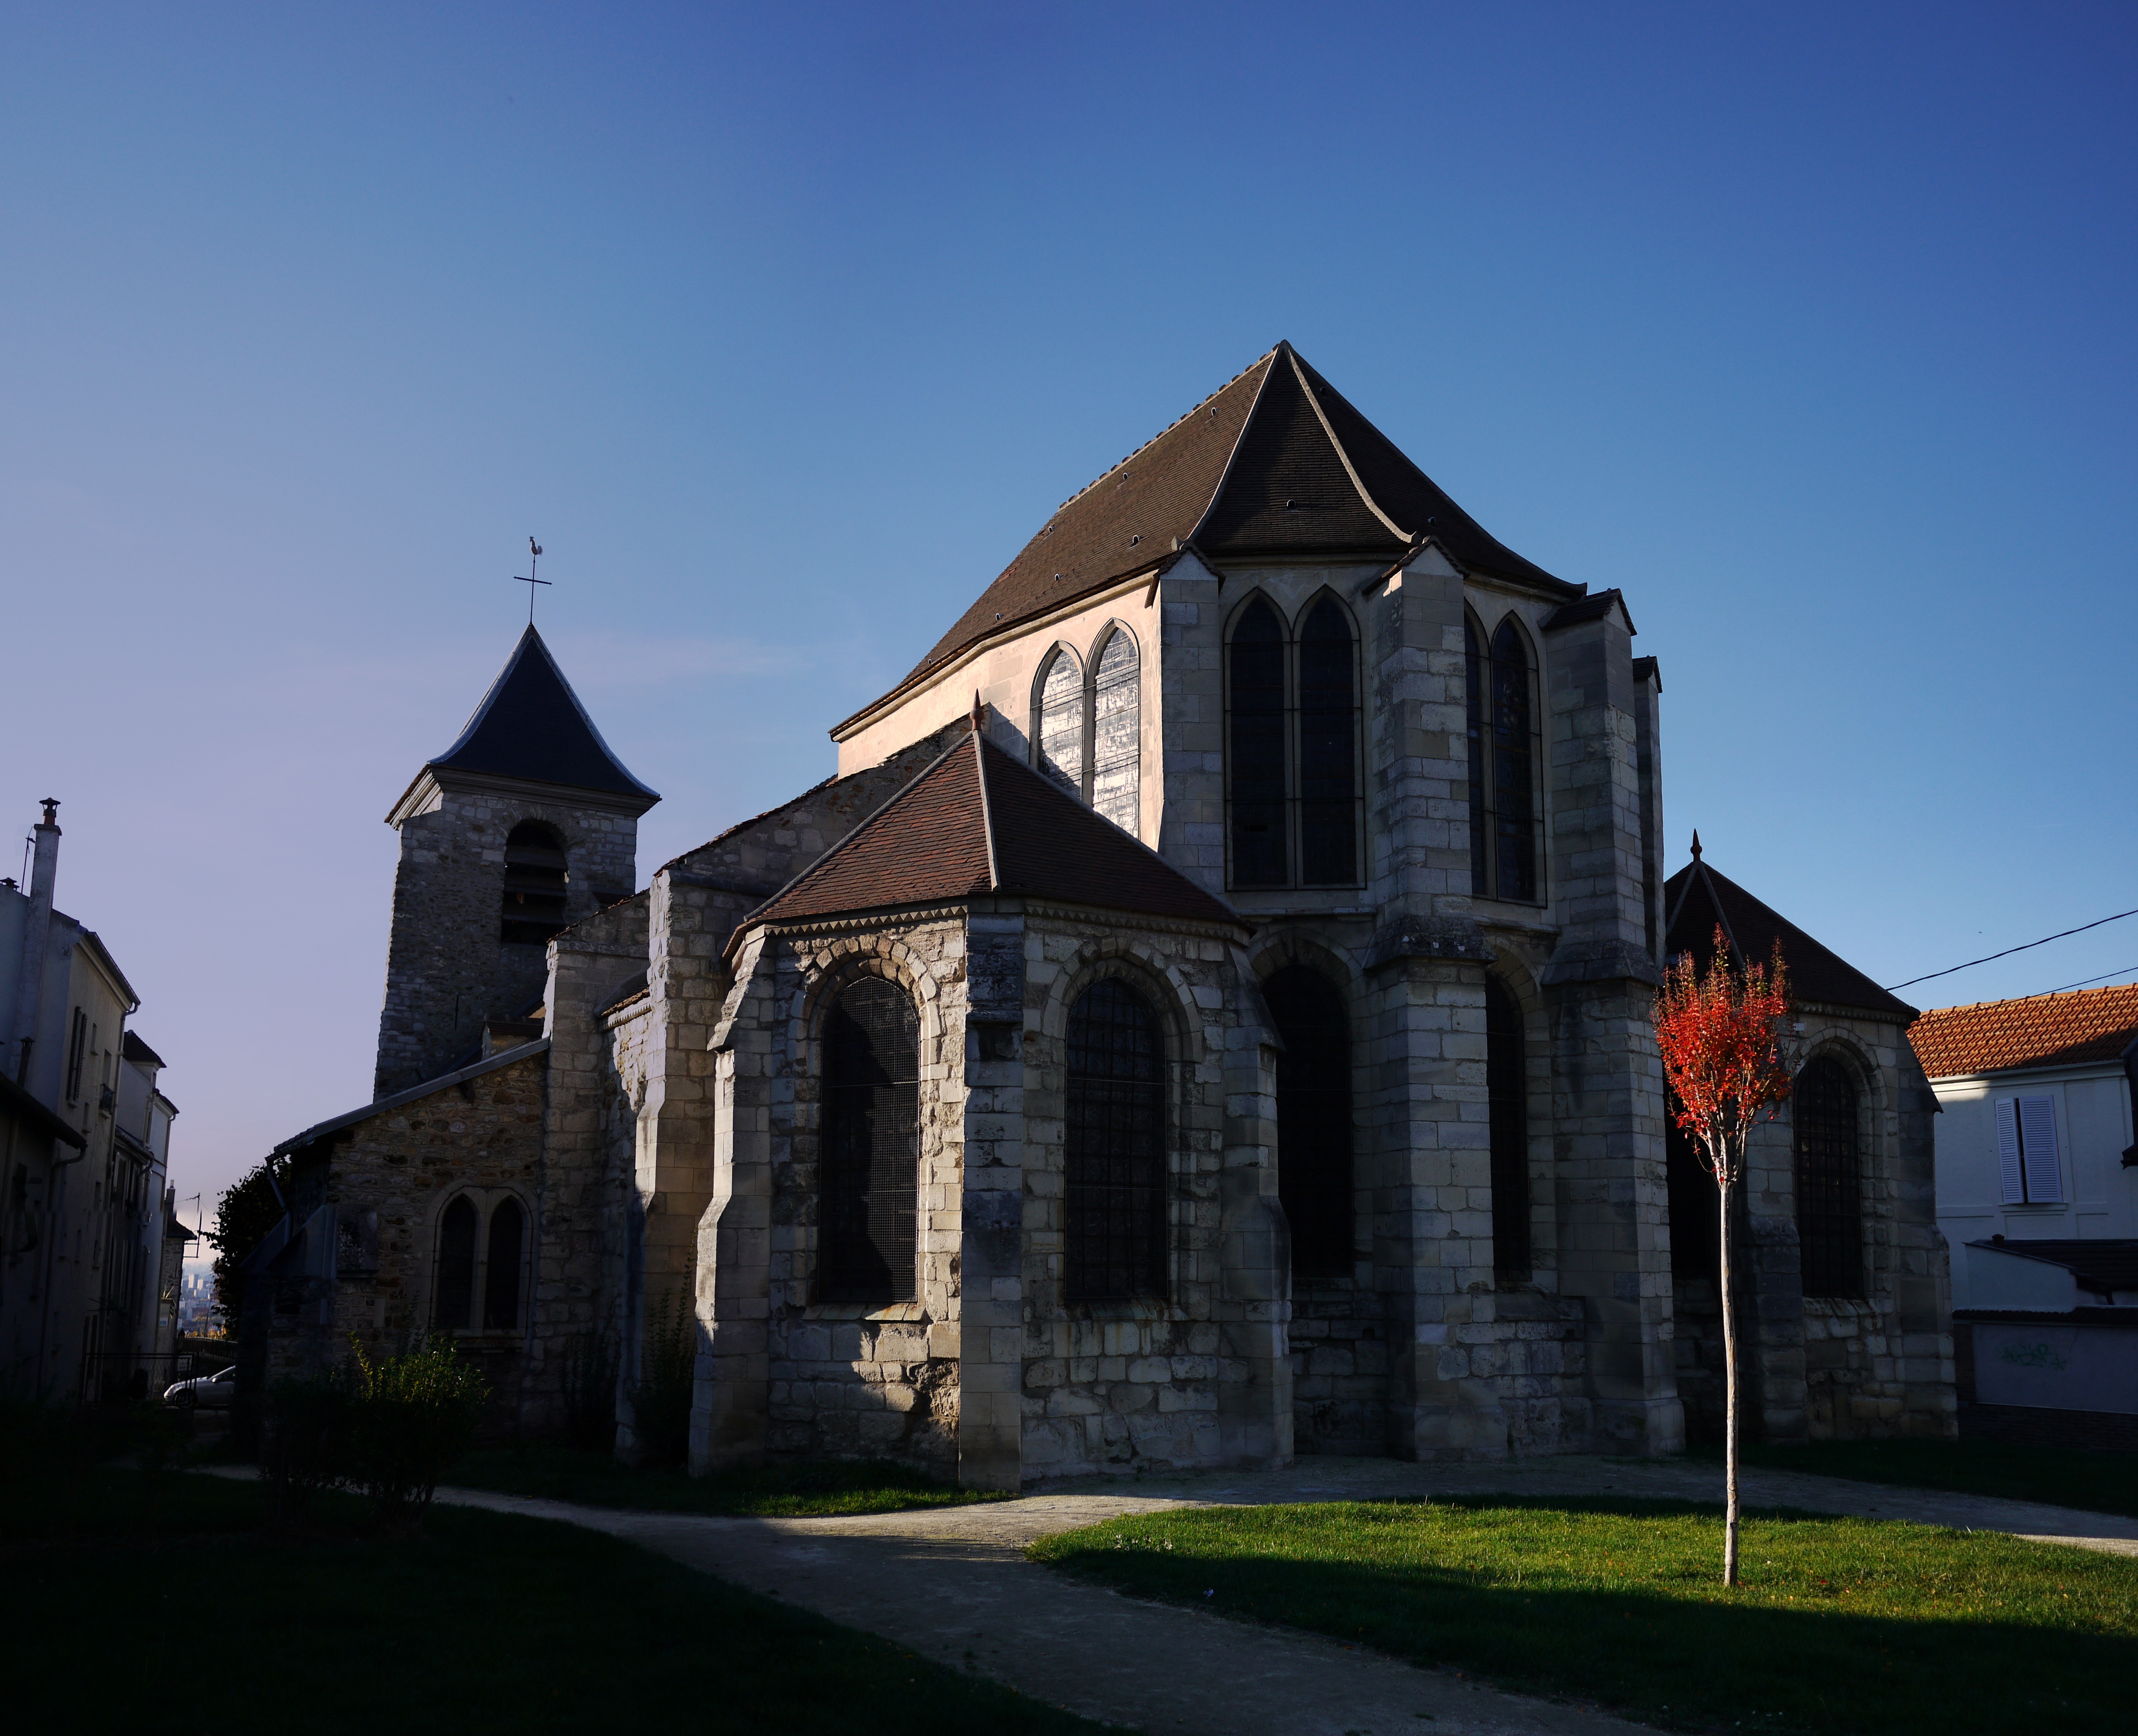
[
  {"x": 979, "y": 715},
  {"x": 1696, "y": 843}
]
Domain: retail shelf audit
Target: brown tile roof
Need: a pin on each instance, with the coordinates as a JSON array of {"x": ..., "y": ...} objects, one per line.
[
  {"x": 1253, "y": 469},
  {"x": 979, "y": 821},
  {"x": 2037, "y": 1031},
  {"x": 1697, "y": 899}
]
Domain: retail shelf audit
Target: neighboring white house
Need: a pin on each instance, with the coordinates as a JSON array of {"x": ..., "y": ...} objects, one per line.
[{"x": 2037, "y": 1195}]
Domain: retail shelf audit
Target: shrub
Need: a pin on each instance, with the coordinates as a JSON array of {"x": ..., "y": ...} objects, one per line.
[
  {"x": 589, "y": 1383},
  {"x": 667, "y": 1374},
  {"x": 411, "y": 1416}
]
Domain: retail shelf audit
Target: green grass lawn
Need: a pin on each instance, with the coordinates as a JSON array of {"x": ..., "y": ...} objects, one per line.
[
  {"x": 202, "y": 1621},
  {"x": 1843, "y": 1625},
  {"x": 554, "y": 1472},
  {"x": 2064, "y": 1476}
]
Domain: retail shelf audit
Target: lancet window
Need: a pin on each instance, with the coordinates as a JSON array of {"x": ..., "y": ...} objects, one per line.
[
  {"x": 1829, "y": 1179},
  {"x": 1314, "y": 1119},
  {"x": 870, "y": 1150},
  {"x": 479, "y": 1273},
  {"x": 1506, "y": 1091},
  {"x": 1506, "y": 750},
  {"x": 1293, "y": 808},
  {"x": 1114, "y": 1158},
  {"x": 1088, "y": 733}
]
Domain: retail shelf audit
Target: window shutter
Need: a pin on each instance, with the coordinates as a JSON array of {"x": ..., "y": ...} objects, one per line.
[
  {"x": 2038, "y": 1141},
  {"x": 2007, "y": 1151}
]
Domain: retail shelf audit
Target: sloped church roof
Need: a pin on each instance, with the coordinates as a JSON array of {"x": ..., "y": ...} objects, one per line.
[
  {"x": 531, "y": 725},
  {"x": 979, "y": 821},
  {"x": 1277, "y": 461}
]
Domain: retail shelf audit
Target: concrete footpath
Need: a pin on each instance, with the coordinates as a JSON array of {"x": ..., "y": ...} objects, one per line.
[{"x": 952, "y": 1584}]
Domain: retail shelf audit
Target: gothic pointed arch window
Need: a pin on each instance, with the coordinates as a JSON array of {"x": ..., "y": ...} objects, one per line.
[
  {"x": 1829, "y": 1178},
  {"x": 1058, "y": 741},
  {"x": 869, "y": 1159},
  {"x": 1117, "y": 730},
  {"x": 479, "y": 1273},
  {"x": 537, "y": 880},
  {"x": 1115, "y": 1147},
  {"x": 1506, "y": 1090},
  {"x": 1506, "y": 750},
  {"x": 1295, "y": 815},
  {"x": 1314, "y": 1119}
]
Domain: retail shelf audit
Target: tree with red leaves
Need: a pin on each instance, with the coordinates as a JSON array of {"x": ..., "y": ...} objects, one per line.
[{"x": 1729, "y": 1069}]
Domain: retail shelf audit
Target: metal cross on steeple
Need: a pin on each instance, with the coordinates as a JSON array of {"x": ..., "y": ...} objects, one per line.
[{"x": 533, "y": 554}]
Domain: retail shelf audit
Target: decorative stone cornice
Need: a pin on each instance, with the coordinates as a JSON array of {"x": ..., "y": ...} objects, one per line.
[{"x": 1443, "y": 939}]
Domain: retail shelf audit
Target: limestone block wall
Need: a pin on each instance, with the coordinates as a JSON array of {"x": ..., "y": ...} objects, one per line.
[{"x": 447, "y": 968}]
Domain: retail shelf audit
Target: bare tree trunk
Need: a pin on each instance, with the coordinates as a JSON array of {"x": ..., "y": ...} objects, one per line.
[{"x": 1729, "y": 1399}]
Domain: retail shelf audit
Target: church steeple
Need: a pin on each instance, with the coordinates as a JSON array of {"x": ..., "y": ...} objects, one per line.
[{"x": 526, "y": 824}]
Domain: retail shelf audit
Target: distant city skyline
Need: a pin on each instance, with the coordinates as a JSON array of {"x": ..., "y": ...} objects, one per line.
[{"x": 781, "y": 333}]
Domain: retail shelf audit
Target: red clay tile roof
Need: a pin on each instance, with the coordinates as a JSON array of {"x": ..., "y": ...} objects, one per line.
[
  {"x": 979, "y": 821},
  {"x": 1275, "y": 462},
  {"x": 2037, "y": 1031},
  {"x": 1697, "y": 899}
]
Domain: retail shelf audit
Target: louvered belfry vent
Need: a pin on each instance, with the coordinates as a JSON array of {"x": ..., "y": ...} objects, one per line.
[
  {"x": 1116, "y": 1158},
  {"x": 536, "y": 881},
  {"x": 1314, "y": 1119},
  {"x": 1829, "y": 1180},
  {"x": 870, "y": 1146},
  {"x": 1506, "y": 1090}
]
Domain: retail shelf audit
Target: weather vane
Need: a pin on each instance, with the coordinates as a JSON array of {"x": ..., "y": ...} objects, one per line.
[{"x": 533, "y": 554}]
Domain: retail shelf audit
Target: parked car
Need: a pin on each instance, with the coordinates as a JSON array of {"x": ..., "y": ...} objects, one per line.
[{"x": 208, "y": 1392}]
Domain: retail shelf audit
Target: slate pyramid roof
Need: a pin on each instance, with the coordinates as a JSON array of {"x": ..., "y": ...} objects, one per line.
[
  {"x": 1698, "y": 900},
  {"x": 1276, "y": 462},
  {"x": 531, "y": 725},
  {"x": 979, "y": 822}
]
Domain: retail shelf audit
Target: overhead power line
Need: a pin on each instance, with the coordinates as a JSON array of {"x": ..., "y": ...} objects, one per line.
[
  {"x": 2128, "y": 970},
  {"x": 2009, "y": 950}
]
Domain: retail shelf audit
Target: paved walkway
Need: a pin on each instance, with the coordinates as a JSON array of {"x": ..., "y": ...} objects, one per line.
[{"x": 952, "y": 1583}]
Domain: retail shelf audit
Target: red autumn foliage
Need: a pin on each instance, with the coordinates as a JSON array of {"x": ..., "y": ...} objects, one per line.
[{"x": 1724, "y": 1057}]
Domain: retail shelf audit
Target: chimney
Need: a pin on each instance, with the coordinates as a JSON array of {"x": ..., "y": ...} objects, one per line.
[{"x": 37, "y": 925}]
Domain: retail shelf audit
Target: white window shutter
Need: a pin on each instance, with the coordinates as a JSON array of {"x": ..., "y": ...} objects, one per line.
[
  {"x": 2037, "y": 1139},
  {"x": 2007, "y": 1151}
]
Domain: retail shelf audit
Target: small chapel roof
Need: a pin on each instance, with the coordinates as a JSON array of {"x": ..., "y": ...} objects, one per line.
[
  {"x": 1276, "y": 461},
  {"x": 1699, "y": 900},
  {"x": 531, "y": 725},
  {"x": 979, "y": 822}
]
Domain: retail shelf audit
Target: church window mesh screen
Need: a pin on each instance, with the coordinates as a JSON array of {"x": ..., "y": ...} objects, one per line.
[
  {"x": 454, "y": 1287},
  {"x": 1506, "y": 1090},
  {"x": 1115, "y": 1155},
  {"x": 870, "y": 1146},
  {"x": 1314, "y": 1119},
  {"x": 1822, "y": 1111},
  {"x": 1695, "y": 1207},
  {"x": 1291, "y": 739},
  {"x": 500, "y": 1284},
  {"x": 536, "y": 881},
  {"x": 1504, "y": 751}
]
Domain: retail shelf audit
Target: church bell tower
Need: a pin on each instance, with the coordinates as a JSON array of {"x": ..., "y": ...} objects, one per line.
[{"x": 525, "y": 824}]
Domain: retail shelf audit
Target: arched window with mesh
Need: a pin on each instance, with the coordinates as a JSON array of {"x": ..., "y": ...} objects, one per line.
[
  {"x": 1696, "y": 1205},
  {"x": 869, "y": 1149},
  {"x": 1117, "y": 731},
  {"x": 1293, "y": 789},
  {"x": 536, "y": 881},
  {"x": 1829, "y": 1179},
  {"x": 453, "y": 1291},
  {"x": 1506, "y": 750},
  {"x": 1114, "y": 1158},
  {"x": 1314, "y": 1176},
  {"x": 1506, "y": 1091}
]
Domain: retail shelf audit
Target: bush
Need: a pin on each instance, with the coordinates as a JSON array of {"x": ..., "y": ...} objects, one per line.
[
  {"x": 410, "y": 1417},
  {"x": 589, "y": 1383},
  {"x": 667, "y": 1369},
  {"x": 305, "y": 1443}
]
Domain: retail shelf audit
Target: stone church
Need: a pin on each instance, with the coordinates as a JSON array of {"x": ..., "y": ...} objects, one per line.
[{"x": 1206, "y": 1018}]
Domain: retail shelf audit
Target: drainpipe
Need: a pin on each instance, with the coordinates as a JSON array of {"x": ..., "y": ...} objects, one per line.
[{"x": 36, "y": 927}]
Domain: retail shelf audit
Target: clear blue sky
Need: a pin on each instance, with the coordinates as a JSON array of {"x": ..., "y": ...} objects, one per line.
[{"x": 1810, "y": 327}]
